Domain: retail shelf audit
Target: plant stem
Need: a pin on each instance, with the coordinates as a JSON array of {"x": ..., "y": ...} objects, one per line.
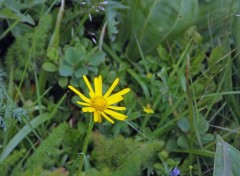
[
  {"x": 190, "y": 110},
  {"x": 85, "y": 145}
]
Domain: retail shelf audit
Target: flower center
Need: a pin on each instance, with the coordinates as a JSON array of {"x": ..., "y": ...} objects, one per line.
[{"x": 99, "y": 103}]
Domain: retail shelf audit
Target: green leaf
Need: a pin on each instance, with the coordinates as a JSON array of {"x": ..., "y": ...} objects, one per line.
[
  {"x": 80, "y": 72},
  {"x": 40, "y": 119},
  {"x": 63, "y": 82},
  {"x": 153, "y": 21},
  {"x": 171, "y": 145},
  {"x": 52, "y": 54},
  {"x": 162, "y": 52},
  {"x": 65, "y": 70},
  {"x": 111, "y": 17},
  {"x": 182, "y": 142},
  {"x": 50, "y": 67},
  {"x": 211, "y": 15},
  {"x": 9, "y": 14},
  {"x": 74, "y": 56},
  {"x": 207, "y": 137},
  {"x": 96, "y": 58},
  {"x": 197, "y": 63},
  {"x": 227, "y": 159},
  {"x": 74, "y": 82},
  {"x": 216, "y": 54},
  {"x": 202, "y": 125},
  {"x": 183, "y": 124}
]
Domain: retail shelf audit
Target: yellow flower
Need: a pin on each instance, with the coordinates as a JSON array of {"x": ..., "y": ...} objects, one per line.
[
  {"x": 101, "y": 105},
  {"x": 148, "y": 109}
]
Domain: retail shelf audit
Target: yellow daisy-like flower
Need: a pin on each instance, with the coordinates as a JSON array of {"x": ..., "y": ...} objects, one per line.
[
  {"x": 148, "y": 109},
  {"x": 101, "y": 105}
]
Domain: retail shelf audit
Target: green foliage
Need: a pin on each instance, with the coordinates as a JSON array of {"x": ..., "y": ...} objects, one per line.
[
  {"x": 29, "y": 49},
  {"x": 80, "y": 60},
  {"x": 49, "y": 150},
  {"x": 121, "y": 156},
  {"x": 152, "y": 22},
  {"x": 29, "y": 127},
  {"x": 8, "y": 165},
  {"x": 112, "y": 16},
  {"x": 227, "y": 159},
  {"x": 7, "y": 108},
  {"x": 180, "y": 58},
  {"x": 38, "y": 171}
]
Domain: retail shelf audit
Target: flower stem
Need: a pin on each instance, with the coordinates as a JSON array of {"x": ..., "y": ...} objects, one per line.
[{"x": 85, "y": 145}]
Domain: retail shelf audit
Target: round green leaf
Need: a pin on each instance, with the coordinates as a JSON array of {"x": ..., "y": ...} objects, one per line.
[
  {"x": 203, "y": 126},
  {"x": 183, "y": 124},
  {"x": 80, "y": 72},
  {"x": 74, "y": 82},
  {"x": 73, "y": 56},
  {"x": 182, "y": 142},
  {"x": 171, "y": 145},
  {"x": 63, "y": 82},
  {"x": 96, "y": 58},
  {"x": 207, "y": 137},
  {"x": 65, "y": 70},
  {"x": 50, "y": 67}
]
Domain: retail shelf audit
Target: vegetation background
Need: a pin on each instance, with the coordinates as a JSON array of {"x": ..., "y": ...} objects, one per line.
[{"x": 180, "y": 58}]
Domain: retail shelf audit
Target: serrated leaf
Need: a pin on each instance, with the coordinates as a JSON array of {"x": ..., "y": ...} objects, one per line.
[
  {"x": 50, "y": 67},
  {"x": 162, "y": 52},
  {"x": 111, "y": 16},
  {"x": 216, "y": 54},
  {"x": 197, "y": 63}
]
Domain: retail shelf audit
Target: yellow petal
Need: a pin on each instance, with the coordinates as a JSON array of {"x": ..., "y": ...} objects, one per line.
[
  {"x": 107, "y": 118},
  {"x": 97, "y": 117},
  {"x": 82, "y": 103},
  {"x": 120, "y": 93},
  {"x": 92, "y": 95},
  {"x": 117, "y": 108},
  {"x": 88, "y": 109},
  {"x": 87, "y": 83},
  {"x": 114, "y": 99},
  {"x": 114, "y": 84},
  {"x": 79, "y": 94},
  {"x": 116, "y": 115},
  {"x": 98, "y": 86}
]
